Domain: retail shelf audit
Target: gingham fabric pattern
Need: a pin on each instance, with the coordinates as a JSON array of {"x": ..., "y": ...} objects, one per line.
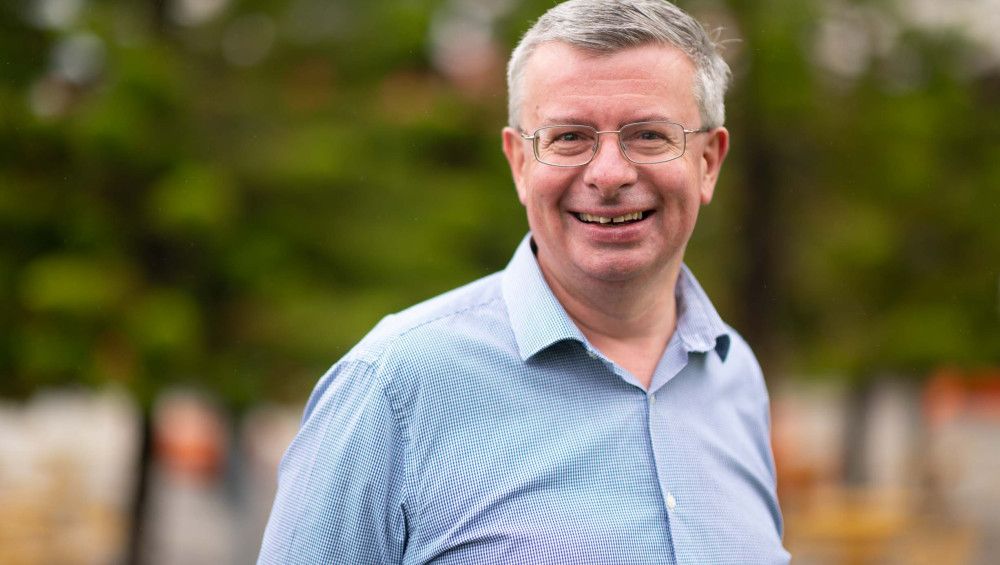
[{"x": 482, "y": 427}]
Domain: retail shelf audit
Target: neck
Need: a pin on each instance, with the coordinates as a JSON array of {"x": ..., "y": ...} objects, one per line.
[{"x": 631, "y": 322}]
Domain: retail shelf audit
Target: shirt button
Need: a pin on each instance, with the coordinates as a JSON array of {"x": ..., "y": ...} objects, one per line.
[
  {"x": 652, "y": 399},
  {"x": 591, "y": 354},
  {"x": 671, "y": 502}
]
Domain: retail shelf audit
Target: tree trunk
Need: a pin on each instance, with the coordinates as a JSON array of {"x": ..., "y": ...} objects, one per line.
[
  {"x": 856, "y": 425},
  {"x": 140, "y": 496}
]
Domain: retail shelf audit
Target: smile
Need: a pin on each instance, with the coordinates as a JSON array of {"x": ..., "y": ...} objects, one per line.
[{"x": 613, "y": 220}]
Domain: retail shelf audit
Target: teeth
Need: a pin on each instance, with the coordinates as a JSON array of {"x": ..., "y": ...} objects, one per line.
[{"x": 606, "y": 220}]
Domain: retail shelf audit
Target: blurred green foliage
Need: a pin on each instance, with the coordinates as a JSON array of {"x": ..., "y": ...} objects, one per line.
[{"x": 233, "y": 202}]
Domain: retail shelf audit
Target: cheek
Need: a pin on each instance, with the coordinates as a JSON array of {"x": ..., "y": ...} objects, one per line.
[
  {"x": 541, "y": 207},
  {"x": 545, "y": 188},
  {"x": 679, "y": 185}
]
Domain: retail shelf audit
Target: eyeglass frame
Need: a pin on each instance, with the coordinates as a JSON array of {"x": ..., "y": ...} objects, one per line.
[{"x": 533, "y": 138}]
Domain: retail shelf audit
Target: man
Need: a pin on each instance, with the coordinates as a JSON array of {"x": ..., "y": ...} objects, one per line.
[{"x": 587, "y": 404}]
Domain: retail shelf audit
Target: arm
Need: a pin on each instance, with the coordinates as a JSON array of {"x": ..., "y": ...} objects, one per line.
[{"x": 340, "y": 492}]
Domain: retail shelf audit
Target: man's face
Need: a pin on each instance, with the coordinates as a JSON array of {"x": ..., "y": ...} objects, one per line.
[{"x": 565, "y": 85}]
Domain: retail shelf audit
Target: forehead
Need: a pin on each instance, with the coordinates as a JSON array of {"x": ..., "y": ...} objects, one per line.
[{"x": 650, "y": 81}]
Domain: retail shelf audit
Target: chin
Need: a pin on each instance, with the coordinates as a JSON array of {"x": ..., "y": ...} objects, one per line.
[{"x": 614, "y": 270}]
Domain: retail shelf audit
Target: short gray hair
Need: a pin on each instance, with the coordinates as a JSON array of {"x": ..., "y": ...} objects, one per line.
[{"x": 608, "y": 26}]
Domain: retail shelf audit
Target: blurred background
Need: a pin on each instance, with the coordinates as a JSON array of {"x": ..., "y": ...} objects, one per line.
[{"x": 205, "y": 203}]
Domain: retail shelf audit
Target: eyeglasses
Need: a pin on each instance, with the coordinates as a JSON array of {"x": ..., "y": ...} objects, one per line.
[{"x": 642, "y": 143}]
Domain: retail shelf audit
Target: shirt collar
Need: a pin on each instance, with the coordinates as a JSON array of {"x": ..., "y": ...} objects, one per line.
[
  {"x": 699, "y": 326},
  {"x": 536, "y": 316},
  {"x": 538, "y": 320}
]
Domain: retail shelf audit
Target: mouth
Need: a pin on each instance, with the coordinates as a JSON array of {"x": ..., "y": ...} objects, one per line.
[{"x": 612, "y": 221}]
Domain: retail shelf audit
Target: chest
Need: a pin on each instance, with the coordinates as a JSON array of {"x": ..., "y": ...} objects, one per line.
[{"x": 572, "y": 466}]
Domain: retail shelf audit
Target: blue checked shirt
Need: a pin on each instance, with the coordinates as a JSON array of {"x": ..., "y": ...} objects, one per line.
[{"x": 482, "y": 427}]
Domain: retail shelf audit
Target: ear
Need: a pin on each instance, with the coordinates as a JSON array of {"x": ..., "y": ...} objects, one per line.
[
  {"x": 712, "y": 155},
  {"x": 514, "y": 149}
]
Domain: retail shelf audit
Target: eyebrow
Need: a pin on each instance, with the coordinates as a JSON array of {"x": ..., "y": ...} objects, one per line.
[{"x": 569, "y": 120}]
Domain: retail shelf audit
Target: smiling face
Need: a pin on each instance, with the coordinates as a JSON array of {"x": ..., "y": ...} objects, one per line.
[{"x": 567, "y": 207}]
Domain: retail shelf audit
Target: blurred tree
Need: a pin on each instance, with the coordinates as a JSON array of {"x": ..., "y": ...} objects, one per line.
[
  {"x": 865, "y": 146},
  {"x": 228, "y": 200}
]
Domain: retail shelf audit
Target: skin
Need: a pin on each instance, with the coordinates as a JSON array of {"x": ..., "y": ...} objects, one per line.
[{"x": 617, "y": 282}]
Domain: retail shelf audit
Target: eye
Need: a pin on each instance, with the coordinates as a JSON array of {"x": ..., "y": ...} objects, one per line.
[
  {"x": 653, "y": 136},
  {"x": 563, "y": 136},
  {"x": 566, "y": 140},
  {"x": 650, "y": 135}
]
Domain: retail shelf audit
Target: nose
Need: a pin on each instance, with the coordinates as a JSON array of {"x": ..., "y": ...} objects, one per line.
[{"x": 609, "y": 171}]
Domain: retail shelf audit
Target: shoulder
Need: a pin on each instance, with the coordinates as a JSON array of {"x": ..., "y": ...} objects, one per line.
[
  {"x": 436, "y": 321},
  {"x": 739, "y": 351},
  {"x": 422, "y": 340},
  {"x": 742, "y": 366}
]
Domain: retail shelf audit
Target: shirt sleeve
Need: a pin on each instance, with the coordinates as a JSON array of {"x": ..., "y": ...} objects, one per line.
[
  {"x": 764, "y": 444},
  {"x": 340, "y": 495}
]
